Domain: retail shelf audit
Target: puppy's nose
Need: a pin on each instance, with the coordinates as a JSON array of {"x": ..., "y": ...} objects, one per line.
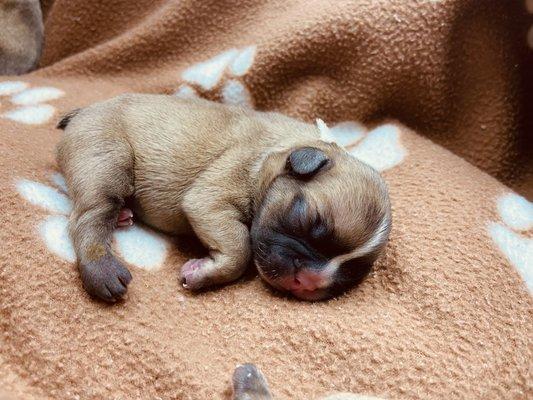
[{"x": 307, "y": 280}]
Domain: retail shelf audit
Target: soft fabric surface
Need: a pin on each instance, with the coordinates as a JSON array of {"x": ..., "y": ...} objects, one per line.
[{"x": 433, "y": 93}]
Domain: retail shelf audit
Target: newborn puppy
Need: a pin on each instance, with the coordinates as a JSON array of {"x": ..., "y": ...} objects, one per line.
[
  {"x": 245, "y": 182},
  {"x": 250, "y": 384}
]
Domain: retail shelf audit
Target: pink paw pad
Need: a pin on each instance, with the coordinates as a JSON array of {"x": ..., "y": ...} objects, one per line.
[
  {"x": 191, "y": 276},
  {"x": 125, "y": 218}
]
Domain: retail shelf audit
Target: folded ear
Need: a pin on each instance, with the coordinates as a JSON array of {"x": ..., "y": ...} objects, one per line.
[{"x": 306, "y": 162}]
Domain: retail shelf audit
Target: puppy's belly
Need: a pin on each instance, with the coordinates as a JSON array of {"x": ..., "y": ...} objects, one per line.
[
  {"x": 173, "y": 225},
  {"x": 161, "y": 215}
]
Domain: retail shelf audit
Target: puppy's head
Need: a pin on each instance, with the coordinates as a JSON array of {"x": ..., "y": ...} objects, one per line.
[{"x": 321, "y": 220}]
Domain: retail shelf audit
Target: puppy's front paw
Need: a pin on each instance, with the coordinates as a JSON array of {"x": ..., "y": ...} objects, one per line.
[
  {"x": 106, "y": 278},
  {"x": 194, "y": 273}
]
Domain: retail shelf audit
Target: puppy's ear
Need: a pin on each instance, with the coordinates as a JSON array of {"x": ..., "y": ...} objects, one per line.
[{"x": 306, "y": 162}]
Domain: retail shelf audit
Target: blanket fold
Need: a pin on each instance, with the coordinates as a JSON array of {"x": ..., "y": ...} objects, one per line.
[{"x": 434, "y": 94}]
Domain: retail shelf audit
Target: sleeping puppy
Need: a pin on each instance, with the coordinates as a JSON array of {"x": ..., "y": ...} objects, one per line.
[
  {"x": 248, "y": 184},
  {"x": 249, "y": 384}
]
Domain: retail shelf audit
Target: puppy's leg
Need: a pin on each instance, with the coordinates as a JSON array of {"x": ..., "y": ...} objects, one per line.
[
  {"x": 249, "y": 384},
  {"x": 217, "y": 223},
  {"x": 99, "y": 172},
  {"x": 91, "y": 226}
]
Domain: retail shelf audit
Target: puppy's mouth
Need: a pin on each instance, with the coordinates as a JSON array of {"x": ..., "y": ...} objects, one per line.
[{"x": 304, "y": 284}]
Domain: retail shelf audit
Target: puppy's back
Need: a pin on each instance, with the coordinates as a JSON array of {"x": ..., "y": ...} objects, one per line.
[{"x": 173, "y": 140}]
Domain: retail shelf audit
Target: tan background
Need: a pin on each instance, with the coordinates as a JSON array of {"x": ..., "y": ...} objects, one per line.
[{"x": 444, "y": 315}]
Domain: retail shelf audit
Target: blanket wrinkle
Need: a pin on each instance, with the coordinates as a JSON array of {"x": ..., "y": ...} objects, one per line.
[{"x": 436, "y": 95}]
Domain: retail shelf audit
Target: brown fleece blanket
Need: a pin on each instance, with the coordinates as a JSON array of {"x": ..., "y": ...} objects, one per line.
[{"x": 435, "y": 94}]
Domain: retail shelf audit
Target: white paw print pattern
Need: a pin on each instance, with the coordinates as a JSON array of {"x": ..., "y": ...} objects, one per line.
[
  {"x": 206, "y": 75},
  {"x": 380, "y": 148},
  {"x": 28, "y": 105},
  {"x": 136, "y": 245},
  {"x": 517, "y": 215}
]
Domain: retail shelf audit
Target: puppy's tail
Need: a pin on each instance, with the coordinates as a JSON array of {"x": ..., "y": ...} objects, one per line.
[{"x": 64, "y": 121}]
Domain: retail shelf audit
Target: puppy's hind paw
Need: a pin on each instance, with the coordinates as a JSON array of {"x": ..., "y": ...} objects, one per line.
[
  {"x": 105, "y": 278},
  {"x": 194, "y": 273},
  {"x": 125, "y": 218}
]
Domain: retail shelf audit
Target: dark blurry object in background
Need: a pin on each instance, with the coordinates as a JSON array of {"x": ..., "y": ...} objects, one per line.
[{"x": 21, "y": 36}]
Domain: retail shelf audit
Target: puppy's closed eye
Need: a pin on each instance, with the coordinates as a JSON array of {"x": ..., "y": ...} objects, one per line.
[
  {"x": 319, "y": 230},
  {"x": 313, "y": 230},
  {"x": 297, "y": 218},
  {"x": 304, "y": 221}
]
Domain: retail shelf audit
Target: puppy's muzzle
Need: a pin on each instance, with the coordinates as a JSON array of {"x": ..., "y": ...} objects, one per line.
[
  {"x": 288, "y": 266},
  {"x": 306, "y": 284}
]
